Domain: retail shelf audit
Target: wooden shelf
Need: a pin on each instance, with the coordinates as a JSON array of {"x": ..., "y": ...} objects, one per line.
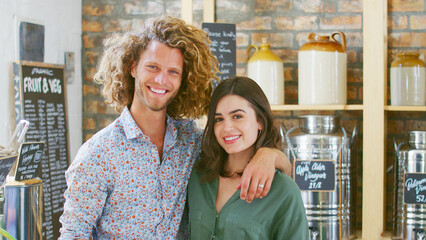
[
  {"x": 386, "y": 236},
  {"x": 374, "y": 117},
  {"x": 406, "y": 108},
  {"x": 295, "y": 107}
]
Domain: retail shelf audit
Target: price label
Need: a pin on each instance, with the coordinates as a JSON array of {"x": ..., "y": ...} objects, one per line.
[
  {"x": 415, "y": 188},
  {"x": 29, "y": 161},
  {"x": 6, "y": 164},
  {"x": 315, "y": 175}
]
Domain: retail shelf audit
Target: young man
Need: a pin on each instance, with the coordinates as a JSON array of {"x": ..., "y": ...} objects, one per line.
[{"x": 129, "y": 180}]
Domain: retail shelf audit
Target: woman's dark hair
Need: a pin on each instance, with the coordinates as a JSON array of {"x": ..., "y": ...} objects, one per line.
[{"x": 213, "y": 156}]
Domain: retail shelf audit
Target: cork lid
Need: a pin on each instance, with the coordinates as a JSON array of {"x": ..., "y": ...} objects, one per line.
[
  {"x": 263, "y": 53},
  {"x": 319, "y": 123},
  {"x": 325, "y": 43},
  {"x": 408, "y": 59},
  {"x": 417, "y": 139}
]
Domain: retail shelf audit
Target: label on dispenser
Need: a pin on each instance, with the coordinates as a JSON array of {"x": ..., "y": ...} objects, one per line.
[
  {"x": 415, "y": 188},
  {"x": 315, "y": 175}
]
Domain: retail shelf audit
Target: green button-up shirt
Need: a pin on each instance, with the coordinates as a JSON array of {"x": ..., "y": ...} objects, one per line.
[{"x": 279, "y": 215}]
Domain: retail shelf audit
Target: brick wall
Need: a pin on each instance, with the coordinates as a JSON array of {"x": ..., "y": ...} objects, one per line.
[
  {"x": 99, "y": 19},
  {"x": 287, "y": 24}
]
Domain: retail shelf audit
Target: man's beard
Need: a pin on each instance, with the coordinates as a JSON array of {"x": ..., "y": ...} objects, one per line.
[{"x": 141, "y": 96}]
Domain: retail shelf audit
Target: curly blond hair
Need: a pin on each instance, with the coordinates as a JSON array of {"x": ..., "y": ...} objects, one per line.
[{"x": 199, "y": 67}]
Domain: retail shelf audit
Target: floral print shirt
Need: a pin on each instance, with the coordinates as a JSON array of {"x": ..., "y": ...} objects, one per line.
[{"x": 119, "y": 189}]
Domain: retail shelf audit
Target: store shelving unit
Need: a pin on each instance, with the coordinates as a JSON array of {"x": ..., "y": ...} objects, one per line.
[
  {"x": 375, "y": 34},
  {"x": 374, "y": 108}
]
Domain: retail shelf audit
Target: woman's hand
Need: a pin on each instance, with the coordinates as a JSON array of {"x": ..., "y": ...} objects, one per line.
[{"x": 258, "y": 175}]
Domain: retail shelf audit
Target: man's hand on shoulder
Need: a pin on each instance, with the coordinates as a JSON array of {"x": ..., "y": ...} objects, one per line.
[{"x": 259, "y": 173}]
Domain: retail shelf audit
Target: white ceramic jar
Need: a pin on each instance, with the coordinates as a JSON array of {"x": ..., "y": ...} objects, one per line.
[
  {"x": 267, "y": 70},
  {"x": 407, "y": 75},
  {"x": 322, "y": 70}
]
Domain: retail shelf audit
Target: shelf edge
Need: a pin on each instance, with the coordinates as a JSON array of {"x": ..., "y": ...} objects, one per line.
[
  {"x": 295, "y": 107},
  {"x": 406, "y": 108}
]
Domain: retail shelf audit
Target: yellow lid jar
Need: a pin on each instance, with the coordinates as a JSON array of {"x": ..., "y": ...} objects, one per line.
[
  {"x": 267, "y": 70},
  {"x": 407, "y": 75},
  {"x": 322, "y": 70}
]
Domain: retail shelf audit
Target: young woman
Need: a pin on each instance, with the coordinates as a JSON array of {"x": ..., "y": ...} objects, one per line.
[{"x": 239, "y": 123}]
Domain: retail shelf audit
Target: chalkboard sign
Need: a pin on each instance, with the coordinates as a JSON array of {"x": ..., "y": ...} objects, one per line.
[
  {"x": 415, "y": 188},
  {"x": 419, "y": 233},
  {"x": 315, "y": 175},
  {"x": 29, "y": 161},
  {"x": 31, "y": 44},
  {"x": 42, "y": 102},
  {"x": 223, "y": 39},
  {"x": 6, "y": 164}
]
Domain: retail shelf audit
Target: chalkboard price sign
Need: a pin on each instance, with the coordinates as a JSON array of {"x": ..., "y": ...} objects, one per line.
[
  {"x": 40, "y": 99},
  {"x": 29, "y": 161},
  {"x": 6, "y": 164},
  {"x": 223, "y": 46},
  {"x": 415, "y": 188},
  {"x": 315, "y": 175}
]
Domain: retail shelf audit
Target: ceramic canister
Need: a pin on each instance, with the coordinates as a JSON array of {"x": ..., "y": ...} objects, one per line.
[
  {"x": 267, "y": 70},
  {"x": 322, "y": 70},
  {"x": 407, "y": 77}
]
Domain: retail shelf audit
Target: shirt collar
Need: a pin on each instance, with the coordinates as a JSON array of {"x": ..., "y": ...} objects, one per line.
[
  {"x": 171, "y": 127},
  {"x": 132, "y": 130}
]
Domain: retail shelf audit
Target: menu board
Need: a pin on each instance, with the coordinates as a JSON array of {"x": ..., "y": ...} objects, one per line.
[
  {"x": 223, "y": 39},
  {"x": 415, "y": 188},
  {"x": 315, "y": 175},
  {"x": 29, "y": 161},
  {"x": 40, "y": 89}
]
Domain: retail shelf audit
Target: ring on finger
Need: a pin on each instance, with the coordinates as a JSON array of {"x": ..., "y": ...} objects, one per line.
[{"x": 261, "y": 185}]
